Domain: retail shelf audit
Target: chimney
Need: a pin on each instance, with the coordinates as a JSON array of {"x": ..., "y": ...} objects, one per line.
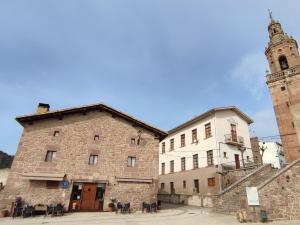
[{"x": 42, "y": 108}]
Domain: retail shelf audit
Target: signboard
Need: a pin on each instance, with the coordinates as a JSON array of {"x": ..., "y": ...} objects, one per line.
[
  {"x": 252, "y": 196},
  {"x": 65, "y": 184}
]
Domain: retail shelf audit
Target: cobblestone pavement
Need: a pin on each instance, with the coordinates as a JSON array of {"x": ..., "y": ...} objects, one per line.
[{"x": 184, "y": 215}]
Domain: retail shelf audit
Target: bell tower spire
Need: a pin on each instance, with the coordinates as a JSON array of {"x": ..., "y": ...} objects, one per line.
[{"x": 284, "y": 86}]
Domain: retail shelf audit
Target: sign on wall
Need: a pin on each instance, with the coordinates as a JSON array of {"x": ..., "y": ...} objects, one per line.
[{"x": 252, "y": 196}]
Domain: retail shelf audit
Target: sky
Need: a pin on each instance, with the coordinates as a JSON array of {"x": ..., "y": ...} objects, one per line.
[{"x": 162, "y": 61}]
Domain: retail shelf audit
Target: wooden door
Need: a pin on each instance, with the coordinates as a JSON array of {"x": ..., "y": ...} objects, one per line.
[
  {"x": 233, "y": 133},
  {"x": 196, "y": 186},
  {"x": 88, "y": 197},
  {"x": 237, "y": 161}
]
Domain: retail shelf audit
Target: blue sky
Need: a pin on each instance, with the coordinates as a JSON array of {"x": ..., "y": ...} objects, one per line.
[{"x": 160, "y": 61}]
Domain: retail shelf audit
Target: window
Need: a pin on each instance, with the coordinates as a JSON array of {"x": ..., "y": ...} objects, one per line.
[
  {"x": 172, "y": 189},
  {"x": 248, "y": 158},
  {"x": 172, "y": 166},
  {"x": 233, "y": 133},
  {"x": 283, "y": 62},
  {"x": 162, "y": 186},
  {"x": 172, "y": 144},
  {"x": 211, "y": 182},
  {"x": 131, "y": 161},
  {"x": 293, "y": 125},
  {"x": 210, "y": 156},
  {"x": 207, "y": 130},
  {"x": 184, "y": 184},
  {"x": 76, "y": 193},
  {"x": 196, "y": 186},
  {"x": 93, "y": 159},
  {"x": 96, "y": 137},
  {"x": 195, "y": 161},
  {"x": 163, "y": 168},
  {"x": 182, "y": 140},
  {"x": 282, "y": 88},
  {"x": 50, "y": 156},
  {"x": 183, "y": 164},
  {"x": 50, "y": 184},
  {"x": 163, "y": 147},
  {"x": 224, "y": 154},
  {"x": 194, "y": 136},
  {"x": 132, "y": 141},
  {"x": 56, "y": 133}
]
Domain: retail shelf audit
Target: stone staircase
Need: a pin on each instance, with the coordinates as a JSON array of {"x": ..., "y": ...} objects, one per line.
[{"x": 233, "y": 198}]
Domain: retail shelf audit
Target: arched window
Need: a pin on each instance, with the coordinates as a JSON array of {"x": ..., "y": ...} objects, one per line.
[{"x": 283, "y": 62}]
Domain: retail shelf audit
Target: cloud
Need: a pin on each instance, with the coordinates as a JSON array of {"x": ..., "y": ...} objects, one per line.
[
  {"x": 264, "y": 123},
  {"x": 250, "y": 72}
]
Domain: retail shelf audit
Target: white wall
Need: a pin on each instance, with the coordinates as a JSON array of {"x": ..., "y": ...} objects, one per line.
[
  {"x": 273, "y": 154},
  {"x": 190, "y": 149},
  {"x": 3, "y": 175},
  {"x": 224, "y": 121},
  {"x": 220, "y": 125}
]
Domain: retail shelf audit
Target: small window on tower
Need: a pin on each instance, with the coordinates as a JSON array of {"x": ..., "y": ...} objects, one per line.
[
  {"x": 132, "y": 141},
  {"x": 96, "y": 137},
  {"x": 283, "y": 62},
  {"x": 282, "y": 88},
  {"x": 293, "y": 125},
  {"x": 56, "y": 133}
]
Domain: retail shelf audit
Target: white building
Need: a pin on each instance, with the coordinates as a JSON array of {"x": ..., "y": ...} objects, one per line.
[
  {"x": 219, "y": 136},
  {"x": 273, "y": 154},
  {"x": 3, "y": 177}
]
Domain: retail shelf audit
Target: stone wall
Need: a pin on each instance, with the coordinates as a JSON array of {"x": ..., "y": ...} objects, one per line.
[
  {"x": 73, "y": 145},
  {"x": 233, "y": 198},
  {"x": 194, "y": 200},
  {"x": 255, "y": 150},
  {"x": 280, "y": 195},
  {"x": 232, "y": 176}
]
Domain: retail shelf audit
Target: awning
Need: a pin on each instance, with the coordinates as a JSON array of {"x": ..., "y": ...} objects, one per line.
[
  {"x": 44, "y": 176},
  {"x": 134, "y": 180}
]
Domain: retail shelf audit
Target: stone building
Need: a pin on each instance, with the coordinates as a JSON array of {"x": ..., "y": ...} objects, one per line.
[
  {"x": 284, "y": 85},
  {"x": 195, "y": 153},
  {"x": 83, "y": 157}
]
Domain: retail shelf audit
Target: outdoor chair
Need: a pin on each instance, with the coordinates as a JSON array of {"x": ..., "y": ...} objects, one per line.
[
  {"x": 154, "y": 207},
  {"x": 146, "y": 206},
  {"x": 126, "y": 208},
  {"x": 17, "y": 209},
  {"x": 28, "y": 211},
  {"x": 119, "y": 207},
  {"x": 50, "y": 210},
  {"x": 58, "y": 210}
]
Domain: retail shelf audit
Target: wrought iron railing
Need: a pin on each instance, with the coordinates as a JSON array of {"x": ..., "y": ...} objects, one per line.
[
  {"x": 234, "y": 139},
  {"x": 283, "y": 74}
]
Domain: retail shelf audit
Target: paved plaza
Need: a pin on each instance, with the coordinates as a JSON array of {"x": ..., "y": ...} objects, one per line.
[{"x": 185, "y": 215}]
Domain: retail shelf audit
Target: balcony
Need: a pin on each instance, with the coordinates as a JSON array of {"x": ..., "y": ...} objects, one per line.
[
  {"x": 234, "y": 140},
  {"x": 283, "y": 74}
]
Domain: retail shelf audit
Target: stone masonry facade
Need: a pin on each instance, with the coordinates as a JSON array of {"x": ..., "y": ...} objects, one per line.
[
  {"x": 73, "y": 146},
  {"x": 284, "y": 86},
  {"x": 278, "y": 194}
]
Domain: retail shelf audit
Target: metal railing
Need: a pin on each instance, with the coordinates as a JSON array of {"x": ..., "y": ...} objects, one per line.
[
  {"x": 283, "y": 74},
  {"x": 234, "y": 139}
]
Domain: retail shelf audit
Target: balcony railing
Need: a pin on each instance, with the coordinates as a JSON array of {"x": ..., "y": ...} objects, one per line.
[
  {"x": 283, "y": 74},
  {"x": 234, "y": 140}
]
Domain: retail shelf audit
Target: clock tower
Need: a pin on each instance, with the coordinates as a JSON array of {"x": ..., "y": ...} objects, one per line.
[{"x": 283, "y": 81}]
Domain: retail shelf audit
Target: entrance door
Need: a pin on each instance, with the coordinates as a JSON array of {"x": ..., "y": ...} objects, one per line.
[
  {"x": 172, "y": 189},
  {"x": 196, "y": 186},
  {"x": 233, "y": 133},
  {"x": 88, "y": 197},
  {"x": 237, "y": 161}
]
